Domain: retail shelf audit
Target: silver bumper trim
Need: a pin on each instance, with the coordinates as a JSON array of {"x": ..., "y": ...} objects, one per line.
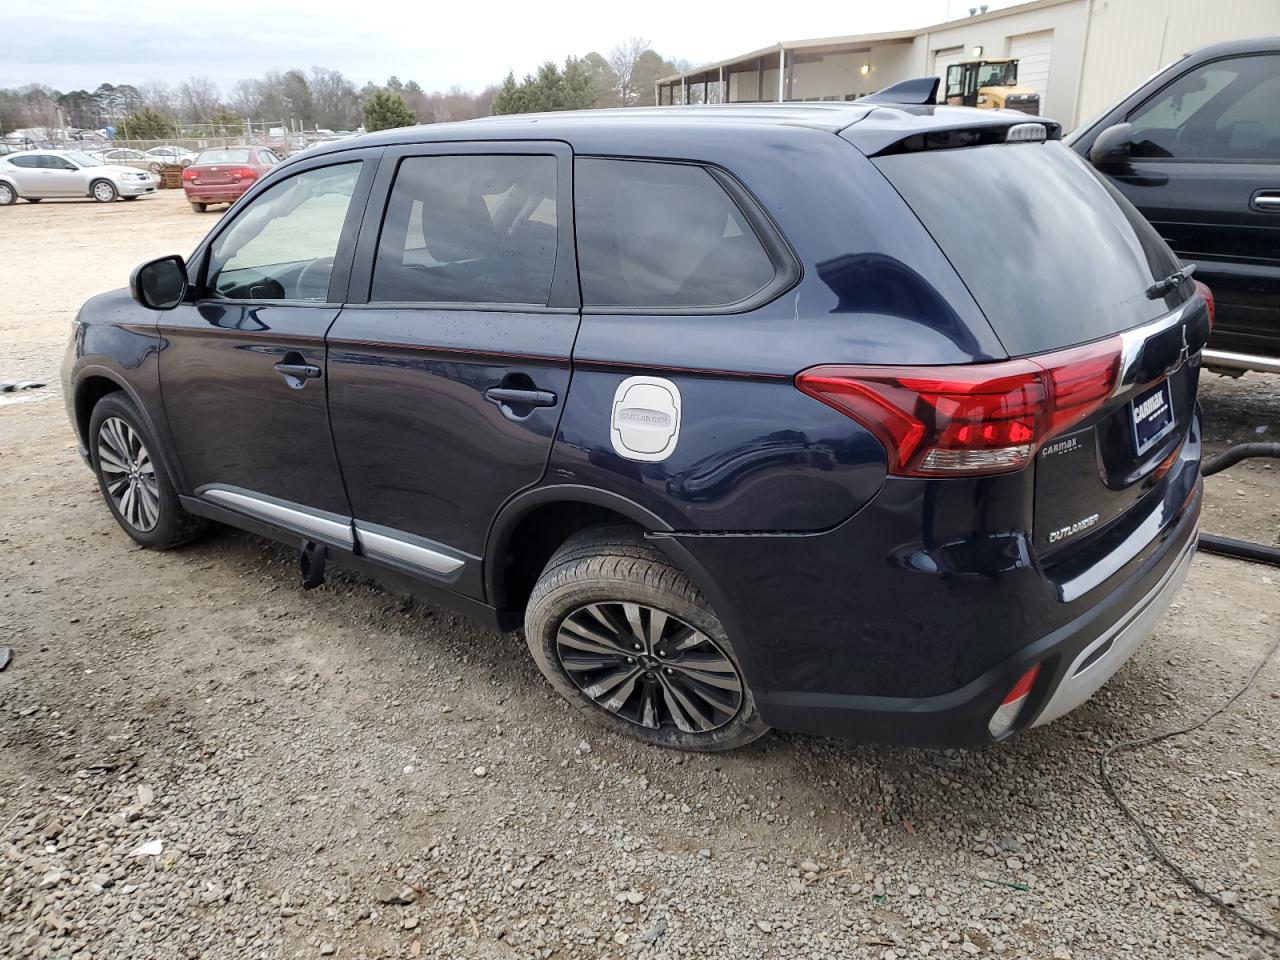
[{"x": 1097, "y": 662}]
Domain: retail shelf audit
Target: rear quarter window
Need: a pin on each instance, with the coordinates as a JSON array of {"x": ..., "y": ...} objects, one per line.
[{"x": 665, "y": 236}]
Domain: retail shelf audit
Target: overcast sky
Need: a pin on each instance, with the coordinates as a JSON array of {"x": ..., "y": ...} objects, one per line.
[{"x": 75, "y": 44}]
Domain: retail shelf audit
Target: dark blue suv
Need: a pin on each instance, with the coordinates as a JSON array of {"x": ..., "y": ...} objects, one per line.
[{"x": 873, "y": 420}]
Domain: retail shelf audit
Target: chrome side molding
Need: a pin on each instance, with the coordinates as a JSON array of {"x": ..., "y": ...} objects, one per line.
[
  {"x": 331, "y": 527},
  {"x": 396, "y": 546}
]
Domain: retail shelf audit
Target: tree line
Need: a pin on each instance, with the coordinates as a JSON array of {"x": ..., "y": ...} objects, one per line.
[{"x": 322, "y": 98}]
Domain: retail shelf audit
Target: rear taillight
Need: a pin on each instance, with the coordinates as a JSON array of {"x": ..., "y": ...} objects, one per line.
[
  {"x": 243, "y": 173},
  {"x": 973, "y": 419},
  {"x": 1003, "y": 719},
  {"x": 1208, "y": 303},
  {"x": 189, "y": 174}
]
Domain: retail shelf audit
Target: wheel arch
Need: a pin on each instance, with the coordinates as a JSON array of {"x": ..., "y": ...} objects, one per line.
[
  {"x": 92, "y": 383},
  {"x": 506, "y": 575}
]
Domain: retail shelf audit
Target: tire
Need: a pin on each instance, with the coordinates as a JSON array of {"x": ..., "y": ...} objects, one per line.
[
  {"x": 123, "y": 451},
  {"x": 33, "y": 199},
  {"x": 8, "y": 195},
  {"x": 199, "y": 207},
  {"x": 153, "y": 168},
  {"x": 601, "y": 581},
  {"x": 104, "y": 191}
]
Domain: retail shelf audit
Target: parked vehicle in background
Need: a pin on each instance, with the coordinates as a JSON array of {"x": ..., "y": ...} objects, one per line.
[
  {"x": 36, "y": 175},
  {"x": 989, "y": 85},
  {"x": 128, "y": 157},
  {"x": 171, "y": 155},
  {"x": 856, "y": 453},
  {"x": 223, "y": 174},
  {"x": 1197, "y": 149}
]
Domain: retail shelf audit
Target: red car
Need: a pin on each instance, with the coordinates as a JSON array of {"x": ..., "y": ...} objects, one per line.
[{"x": 222, "y": 174}]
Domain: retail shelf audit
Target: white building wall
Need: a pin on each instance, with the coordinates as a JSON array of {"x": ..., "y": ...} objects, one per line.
[
  {"x": 840, "y": 74},
  {"x": 994, "y": 34},
  {"x": 1129, "y": 40}
]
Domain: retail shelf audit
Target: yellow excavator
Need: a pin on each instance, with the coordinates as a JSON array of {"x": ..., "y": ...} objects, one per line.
[{"x": 989, "y": 85}]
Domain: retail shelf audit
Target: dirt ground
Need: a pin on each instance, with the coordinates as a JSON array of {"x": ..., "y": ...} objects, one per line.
[{"x": 350, "y": 773}]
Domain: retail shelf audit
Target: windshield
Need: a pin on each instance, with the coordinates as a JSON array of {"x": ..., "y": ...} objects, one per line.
[
  {"x": 998, "y": 74},
  {"x": 83, "y": 159},
  {"x": 224, "y": 155},
  {"x": 1051, "y": 252}
]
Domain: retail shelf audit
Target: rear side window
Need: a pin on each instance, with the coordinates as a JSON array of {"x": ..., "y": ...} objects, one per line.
[
  {"x": 30, "y": 162},
  {"x": 1051, "y": 252},
  {"x": 469, "y": 229},
  {"x": 664, "y": 236}
]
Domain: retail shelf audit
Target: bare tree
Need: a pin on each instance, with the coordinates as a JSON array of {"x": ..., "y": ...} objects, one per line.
[
  {"x": 160, "y": 97},
  {"x": 199, "y": 98},
  {"x": 622, "y": 60}
]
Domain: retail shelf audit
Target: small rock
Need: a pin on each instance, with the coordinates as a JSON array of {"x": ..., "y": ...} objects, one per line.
[
  {"x": 634, "y": 897},
  {"x": 391, "y": 892},
  {"x": 408, "y": 768},
  {"x": 808, "y": 866},
  {"x": 651, "y": 935},
  {"x": 145, "y": 795},
  {"x": 765, "y": 926},
  {"x": 481, "y": 771},
  {"x": 584, "y": 747},
  {"x": 327, "y": 949},
  {"x": 1229, "y": 897},
  {"x": 152, "y": 848},
  {"x": 1061, "y": 953},
  {"x": 971, "y": 948},
  {"x": 913, "y": 890},
  {"x": 1013, "y": 863},
  {"x": 704, "y": 853},
  {"x": 51, "y": 879},
  {"x": 621, "y": 938}
]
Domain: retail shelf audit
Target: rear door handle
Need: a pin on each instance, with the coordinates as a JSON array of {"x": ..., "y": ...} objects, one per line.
[{"x": 521, "y": 398}]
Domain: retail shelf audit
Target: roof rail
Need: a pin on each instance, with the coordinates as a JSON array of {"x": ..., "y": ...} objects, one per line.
[{"x": 921, "y": 90}]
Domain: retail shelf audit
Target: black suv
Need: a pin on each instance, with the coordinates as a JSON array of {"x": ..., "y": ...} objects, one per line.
[
  {"x": 1197, "y": 149},
  {"x": 750, "y": 415}
]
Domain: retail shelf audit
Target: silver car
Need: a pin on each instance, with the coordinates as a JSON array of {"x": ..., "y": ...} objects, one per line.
[
  {"x": 169, "y": 154},
  {"x": 36, "y": 174}
]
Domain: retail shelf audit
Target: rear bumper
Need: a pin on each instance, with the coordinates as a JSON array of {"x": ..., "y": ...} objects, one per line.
[{"x": 216, "y": 193}]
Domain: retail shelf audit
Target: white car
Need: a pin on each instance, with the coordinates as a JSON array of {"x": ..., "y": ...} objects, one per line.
[
  {"x": 35, "y": 175},
  {"x": 170, "y": 154}
]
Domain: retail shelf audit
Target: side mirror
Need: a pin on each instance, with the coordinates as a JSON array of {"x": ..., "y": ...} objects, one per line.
[
  {"x": 160, "y": 284},
  {"x": 1112, "y": 147}
]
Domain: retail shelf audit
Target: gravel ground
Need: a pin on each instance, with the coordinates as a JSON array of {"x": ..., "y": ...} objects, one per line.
[{"x": 200, "y": 760}]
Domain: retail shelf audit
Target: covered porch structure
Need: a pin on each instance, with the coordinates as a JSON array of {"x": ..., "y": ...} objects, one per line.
[{"x": 833, "y": 68}]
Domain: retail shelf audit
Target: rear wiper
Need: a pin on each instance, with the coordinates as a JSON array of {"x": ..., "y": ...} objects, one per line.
[{"x": 1172, "y": 282}]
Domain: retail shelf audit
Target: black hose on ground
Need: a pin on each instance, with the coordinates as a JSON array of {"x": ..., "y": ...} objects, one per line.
[
  {"x": 1227, "y": 546},
  {"x": 1233, "y": 455}
]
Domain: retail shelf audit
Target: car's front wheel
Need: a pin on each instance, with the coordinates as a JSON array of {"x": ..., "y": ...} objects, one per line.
[
  {"x": 626, "y": 637},
  {"x": 133, "y": 477},
  {"x": 7, "y": 195},
  {"x": 104, "y": 191}
]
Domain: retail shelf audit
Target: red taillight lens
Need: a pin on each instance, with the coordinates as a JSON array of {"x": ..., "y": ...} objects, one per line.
[
  {"x": 189, "y": 174},
  {"x": 974, "y": 419},
  {"x": 243, "y": 173},
  {"x": 1208, "y": 302}
]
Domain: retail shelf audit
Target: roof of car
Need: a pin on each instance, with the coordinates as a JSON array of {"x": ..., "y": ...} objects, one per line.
[{"x": 595, "y": 126}]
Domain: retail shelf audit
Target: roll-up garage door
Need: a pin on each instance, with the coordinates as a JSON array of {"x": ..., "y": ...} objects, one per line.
[
  {"x": 941, "y": 60},
  {"x": 1032, "y": 51}
]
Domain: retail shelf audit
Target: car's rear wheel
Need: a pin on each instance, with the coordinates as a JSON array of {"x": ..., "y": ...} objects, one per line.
[
  {"x": 7, "y": 195},
  {"x": 626, "y": 637},
  {"x": 199, "y": 207},
  {"x": 134, "y": 479},
  {"x": 104, "y": 191}
]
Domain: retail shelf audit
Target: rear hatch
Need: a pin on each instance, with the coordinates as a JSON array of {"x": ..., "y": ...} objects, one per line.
[{"x": 1056, "y": 259}]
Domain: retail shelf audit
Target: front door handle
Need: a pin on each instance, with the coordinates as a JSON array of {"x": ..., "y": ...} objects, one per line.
[
  {"x": 521, "y": 398},
  {"x": 1268, "y": 201},
  {"x": 296, "y": 371}
]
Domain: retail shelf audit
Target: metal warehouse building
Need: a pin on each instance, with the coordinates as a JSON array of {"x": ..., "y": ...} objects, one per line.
[{"x": 1079, "y": 55}]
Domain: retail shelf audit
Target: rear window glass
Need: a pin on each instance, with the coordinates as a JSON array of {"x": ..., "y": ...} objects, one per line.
[
  {"x": 1053, "y": 254},
  {"x": 662, "y": 235},
  {"x": 224, "y": 155}
]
